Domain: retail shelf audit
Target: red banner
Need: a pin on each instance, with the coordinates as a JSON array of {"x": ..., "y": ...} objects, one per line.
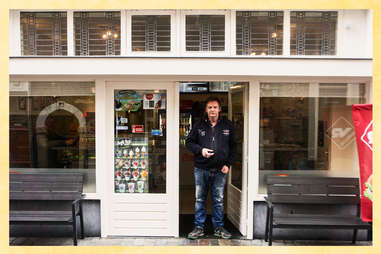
[{"x": 363, "y": 123}]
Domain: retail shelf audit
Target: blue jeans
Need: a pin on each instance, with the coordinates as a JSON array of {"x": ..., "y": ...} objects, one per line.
[{"x": 216, "y": 180}]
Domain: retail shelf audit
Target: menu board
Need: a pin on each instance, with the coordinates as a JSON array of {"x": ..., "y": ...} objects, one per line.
[{"x": 131, "y": 165}]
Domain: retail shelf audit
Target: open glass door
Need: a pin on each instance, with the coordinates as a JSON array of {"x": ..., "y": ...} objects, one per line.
[
  {"x": 141, "y": 193},
  {"x": 237, "y": 180}
]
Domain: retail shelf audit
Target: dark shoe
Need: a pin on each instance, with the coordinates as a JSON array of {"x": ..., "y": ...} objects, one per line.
[
  {"x": 196, "y": 233},
  {"x": 222, "y": 233}
]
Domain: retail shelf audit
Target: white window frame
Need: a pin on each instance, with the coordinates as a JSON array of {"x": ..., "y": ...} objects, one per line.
[
  {"x": 174, "y": 22},
  {"x": 228, "y": 37}
]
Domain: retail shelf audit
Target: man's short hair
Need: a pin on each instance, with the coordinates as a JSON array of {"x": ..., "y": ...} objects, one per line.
[{"x": 213, "y": 98}]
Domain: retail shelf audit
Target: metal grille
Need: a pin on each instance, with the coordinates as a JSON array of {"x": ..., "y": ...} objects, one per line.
[
  {"x": 259, "y": 33},
  {"x": 151, "y": 33},
  {"x": 43, "y": 33},
  {"x": 97, "y": 33},
  {"x": 205, "y": 33},
  {"x": 313, "y": 33}
]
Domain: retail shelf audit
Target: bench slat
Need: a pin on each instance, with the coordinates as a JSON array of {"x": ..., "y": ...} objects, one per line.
[
  {"x": 34, "y": 216},
  {"x": 44, "y": 195},
  {"x": 312, "y": 189},
  {"x": 312, "y": 199},
  {"x": 312, "y": 180},
  {"x": 38, "y": 186},
  {"x": 48, "y": 177},
  {"x": 318, "y": 220}
]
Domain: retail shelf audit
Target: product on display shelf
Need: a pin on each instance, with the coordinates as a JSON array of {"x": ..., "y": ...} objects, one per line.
[{"x": 131, "y": 165}]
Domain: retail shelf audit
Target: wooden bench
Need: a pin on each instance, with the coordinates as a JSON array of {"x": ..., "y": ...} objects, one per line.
[
  {"x": 308, "y": 195},
  {"x": 47, "y": 188}
]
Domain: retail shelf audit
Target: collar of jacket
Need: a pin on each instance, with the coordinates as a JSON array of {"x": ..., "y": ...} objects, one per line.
[{"x": 208, "y": 122}]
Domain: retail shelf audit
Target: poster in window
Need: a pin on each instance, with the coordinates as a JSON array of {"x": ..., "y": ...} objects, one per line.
[
  {"x": 127, "y": 100},
  {"x": 154, "y": 101}
]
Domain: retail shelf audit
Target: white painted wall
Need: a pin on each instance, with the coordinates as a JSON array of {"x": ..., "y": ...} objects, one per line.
[
  {"x": 298, "y": 67},
  {"x": 355, "y": 34}
]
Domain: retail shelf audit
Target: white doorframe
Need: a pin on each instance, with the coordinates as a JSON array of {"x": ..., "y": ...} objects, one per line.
[{"x": 163, "y": 207}]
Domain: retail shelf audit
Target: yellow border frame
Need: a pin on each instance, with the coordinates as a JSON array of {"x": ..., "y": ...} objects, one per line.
[{"x": 374, "y": 5}]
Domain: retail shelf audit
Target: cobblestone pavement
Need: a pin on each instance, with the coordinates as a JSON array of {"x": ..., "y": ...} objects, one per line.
[{"x": 161, "y": 241}]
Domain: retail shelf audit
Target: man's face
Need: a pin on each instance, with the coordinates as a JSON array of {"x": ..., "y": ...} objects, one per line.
[{"x": 213, "y": 109}]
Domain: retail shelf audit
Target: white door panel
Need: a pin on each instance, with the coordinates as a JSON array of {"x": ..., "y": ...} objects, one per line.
[
  {"x": 237, "y": 181},
  {"x": 148, "y": 208}
]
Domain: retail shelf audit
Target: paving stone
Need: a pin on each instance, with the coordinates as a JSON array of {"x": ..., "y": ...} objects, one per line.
[
  {"x": 224, "y": 242},
  {"x": 214, "y": 242},
  {"x": 203, "y": 242}
]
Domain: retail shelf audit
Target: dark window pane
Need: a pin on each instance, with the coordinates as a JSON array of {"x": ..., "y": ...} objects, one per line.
[
  {"x": 151, "y": 33},
  {"x": 259, "y": 33},
  {"x": 205, "y": 33},
  {"x": 43, "y": 33},
  {"x": 313, "y": 33},
  {"x": 97, "y": 33}
]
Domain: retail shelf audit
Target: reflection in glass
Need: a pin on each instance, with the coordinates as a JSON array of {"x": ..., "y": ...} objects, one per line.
[
  {"x": 52, "y": 129},
  {"x": 43, "y": 33},
  {"x": 97, "y": 33},
  {"x": 313, "y": 33},
  {"x": 237, "y": 119},
  {"x": 308, "y": 128},
  {"x": 205, "y": 33},
  {"x": 151, "y": 33},
  {"x": 259, "y": 32},
  {"x": 140, "y": 141}
]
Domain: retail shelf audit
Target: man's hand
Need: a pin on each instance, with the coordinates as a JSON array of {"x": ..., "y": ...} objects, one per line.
[
  {"x": 207, "y": 153},
  {"x": 225, "y": 169}
]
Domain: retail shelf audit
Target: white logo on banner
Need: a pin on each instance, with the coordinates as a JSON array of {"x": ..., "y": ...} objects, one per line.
[
  {"x": 341, "y": 133},
  {"x": 367, "y": 136}
]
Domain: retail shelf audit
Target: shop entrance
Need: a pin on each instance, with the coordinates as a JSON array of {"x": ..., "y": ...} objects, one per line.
[{"x": 233, "y": 96}]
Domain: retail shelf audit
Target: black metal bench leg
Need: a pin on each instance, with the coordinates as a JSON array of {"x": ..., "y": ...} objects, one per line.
[
  {"x": 354, "y": 236},
  {"x": 267, "y": 225},
  {"x": 271, "y": 235},
  {"x": 369, "y": 236},
  {"x": 81, "y": 221},
  {"x": 74, "y": 228}
]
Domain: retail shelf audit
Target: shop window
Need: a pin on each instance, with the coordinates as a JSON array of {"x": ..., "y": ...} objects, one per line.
[
  {"x": 97, "y": 33},
  {"x": 259, "y": 33},
  {"x": 52, "y": 128},
  {"x": 308, "y": 129},
  {"x": 43, "y": 33},
  {"x": 151, "y": 33},
  {"x": 205, "y": 32},
  {"x": 313, "y": 33}
]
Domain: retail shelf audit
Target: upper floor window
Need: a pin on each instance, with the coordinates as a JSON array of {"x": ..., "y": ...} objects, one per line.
[
  {"x": 205, "y": 32},
  {"x": 259, "y": 32},
  {"x": 43, "y": 33},
  {"x": 151, "y": 33},
  {"x": 97, "y": 33},
  {"x": 313, "y": 33}
]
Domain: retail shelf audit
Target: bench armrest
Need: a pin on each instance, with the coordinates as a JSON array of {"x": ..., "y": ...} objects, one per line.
[
  {"x": 76, "y": 207},
  {"x": 269, "y": 203}
]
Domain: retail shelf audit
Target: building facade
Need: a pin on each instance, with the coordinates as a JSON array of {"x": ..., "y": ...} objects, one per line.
[{"x": 113, "y": 94}]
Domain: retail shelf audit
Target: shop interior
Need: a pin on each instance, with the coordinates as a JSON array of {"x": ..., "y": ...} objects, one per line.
[{"x": 192, "y": 108}]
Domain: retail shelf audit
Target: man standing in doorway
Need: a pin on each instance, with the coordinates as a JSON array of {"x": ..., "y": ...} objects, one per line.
[{"x": 213, "y": 143}]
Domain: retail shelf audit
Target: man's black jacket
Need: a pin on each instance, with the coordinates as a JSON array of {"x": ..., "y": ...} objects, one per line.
[{"x": 219, "y": 138}]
